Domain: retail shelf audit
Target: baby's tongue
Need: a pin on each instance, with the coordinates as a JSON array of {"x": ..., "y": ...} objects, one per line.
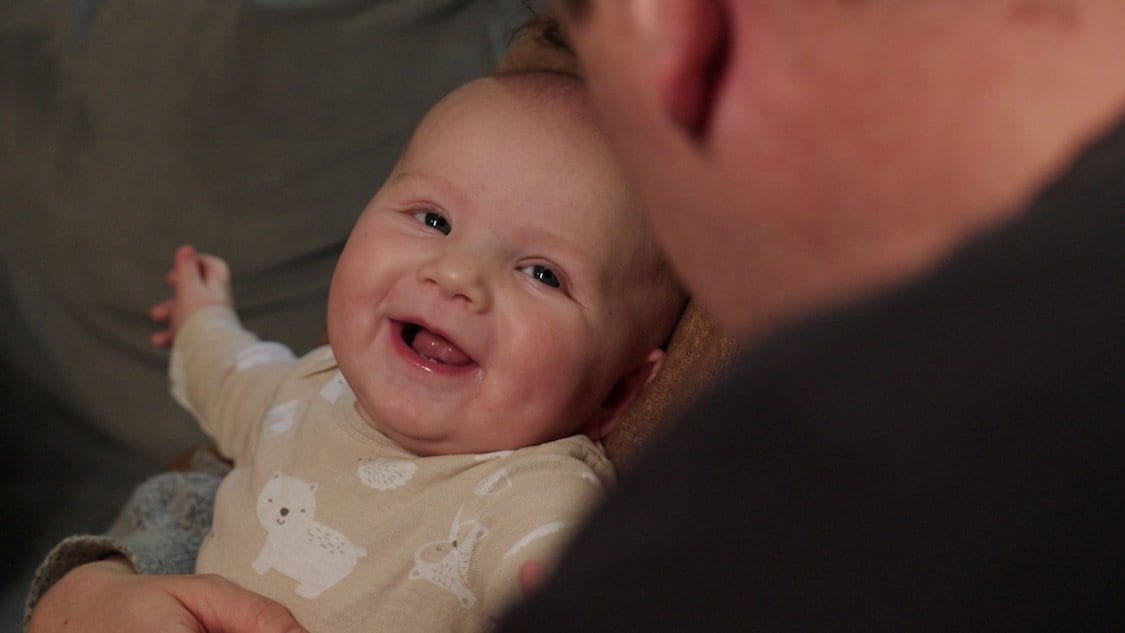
[{"x": 438, "y": 348}]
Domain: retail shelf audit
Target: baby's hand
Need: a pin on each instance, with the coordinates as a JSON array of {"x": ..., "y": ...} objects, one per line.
[{"x": 198, "y": 281}]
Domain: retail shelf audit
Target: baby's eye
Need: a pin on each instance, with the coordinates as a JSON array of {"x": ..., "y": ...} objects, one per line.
[
  {"x": 542, "y": 274},
  {"x": 434, "y": 220}
]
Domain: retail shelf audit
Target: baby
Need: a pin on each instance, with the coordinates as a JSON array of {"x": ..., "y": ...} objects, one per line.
[{"x": 497, "y": 305}]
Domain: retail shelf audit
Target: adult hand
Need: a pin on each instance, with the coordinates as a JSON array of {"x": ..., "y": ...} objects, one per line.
[
  {"x": 532, "y": 575},
  {"x": 109, "y": 596}
]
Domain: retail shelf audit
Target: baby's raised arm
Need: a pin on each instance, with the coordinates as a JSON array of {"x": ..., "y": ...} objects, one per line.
[{"x": 198, "y": 281}]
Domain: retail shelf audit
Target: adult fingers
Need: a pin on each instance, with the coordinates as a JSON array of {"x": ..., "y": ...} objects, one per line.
[
  {"x": 223, "y": 607},
  {"x": 532, "y": 575}
]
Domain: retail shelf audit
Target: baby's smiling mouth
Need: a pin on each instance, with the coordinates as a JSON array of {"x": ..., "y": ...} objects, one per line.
[{"x": 433, "y": 347}]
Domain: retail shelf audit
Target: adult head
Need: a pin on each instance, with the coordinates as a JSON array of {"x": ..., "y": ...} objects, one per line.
[{"x": 793, "y": 154}]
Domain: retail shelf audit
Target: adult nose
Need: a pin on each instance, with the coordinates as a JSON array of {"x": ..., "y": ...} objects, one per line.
[{"x": 459, "y": 275}]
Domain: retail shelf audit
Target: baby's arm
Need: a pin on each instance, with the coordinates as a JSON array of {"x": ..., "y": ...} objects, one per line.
[
  {"x": 198, "y": 281},
  {"x": 220, "y": 372}
]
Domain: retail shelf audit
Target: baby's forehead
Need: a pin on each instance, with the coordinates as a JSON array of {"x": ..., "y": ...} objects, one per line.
[
  {"x": 531, "y": 129},
  {"x": 537, "y": 99}
]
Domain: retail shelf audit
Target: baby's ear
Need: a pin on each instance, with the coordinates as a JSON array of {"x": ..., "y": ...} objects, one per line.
[{"x": 623, "y": 392}]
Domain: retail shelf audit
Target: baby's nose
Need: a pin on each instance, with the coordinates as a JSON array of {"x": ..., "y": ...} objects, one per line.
[
  {"x": 460, "y": 274},
  {"x": 285, "y": 512}
]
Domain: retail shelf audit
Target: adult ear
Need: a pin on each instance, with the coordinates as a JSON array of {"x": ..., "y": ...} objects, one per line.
[
  {"x": 623, "y": 392},
  {"x": 690, "y": 45}
]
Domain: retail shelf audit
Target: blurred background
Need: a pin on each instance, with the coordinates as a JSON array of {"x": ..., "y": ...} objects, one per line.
[{"x": 254, "y": 129}]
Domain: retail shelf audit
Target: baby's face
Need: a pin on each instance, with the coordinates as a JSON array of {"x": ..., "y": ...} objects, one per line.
[{"x": 487, "y": 297}]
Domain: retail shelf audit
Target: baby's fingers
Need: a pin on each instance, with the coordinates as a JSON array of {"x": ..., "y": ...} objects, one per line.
[
  {"x": 163, "y": 338},
  {"x": 186, "y": 267},
  {"x": 162, "y": 311},
  {"x": 214, "y": 271},
  {"x": 199, "y": 270}
]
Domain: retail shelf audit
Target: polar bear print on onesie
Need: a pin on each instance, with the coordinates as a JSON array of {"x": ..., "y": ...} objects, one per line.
[
  {"x": 298, "y": 546},
  {"x": 445, "y": 562}
]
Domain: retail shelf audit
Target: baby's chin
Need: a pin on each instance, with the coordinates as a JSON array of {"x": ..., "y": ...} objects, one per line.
[
  {"x": 423, "y": 425},
  {"x": 408, "y": 435}
]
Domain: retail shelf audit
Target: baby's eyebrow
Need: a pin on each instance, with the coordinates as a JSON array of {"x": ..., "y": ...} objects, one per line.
[
  {"x": 443, "y": 187},
  {"x": 398, "y": 176}
]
